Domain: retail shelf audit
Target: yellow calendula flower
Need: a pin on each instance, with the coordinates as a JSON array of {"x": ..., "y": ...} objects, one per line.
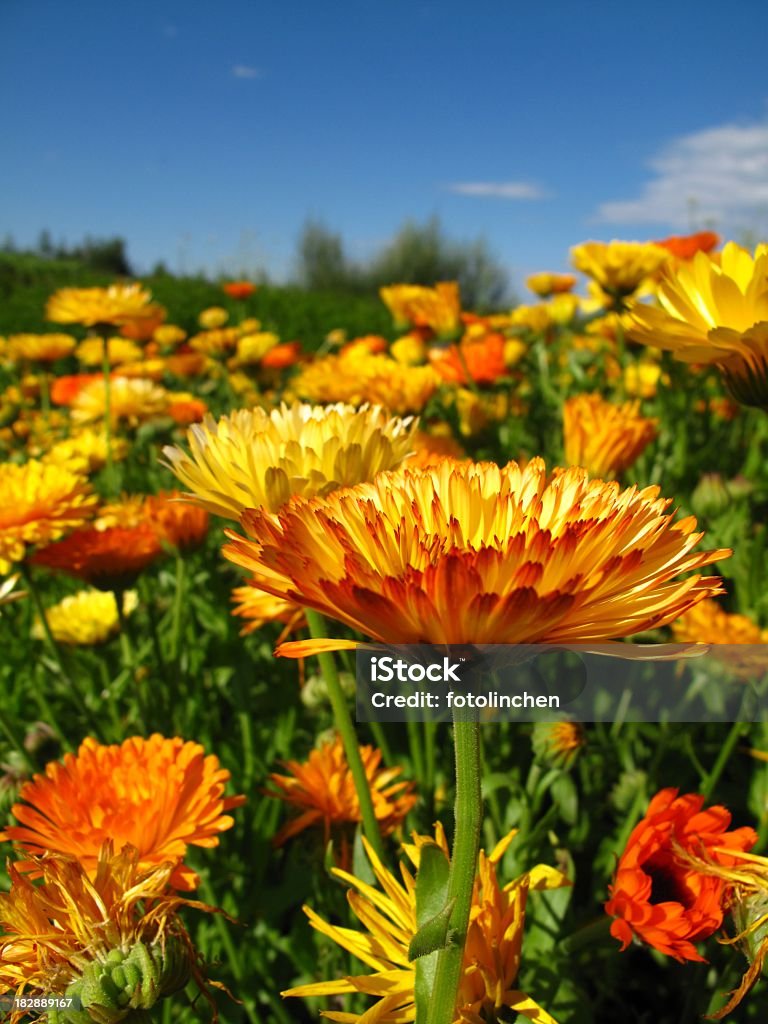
[
  {"x": 409, "y": 350},
  {"x": 641, "y": 379},
  {"x": 492, "y": 954},
  {"x": 130, "y": 400},
  {"x": 216, "y": 341},
  {"x": 605, "y": 438},
  {"x": 357, "y": 377},
  {"x": 476, "y": 411},
  {"x": 546, "y": 284},
  {"x": 252, "y": 348},
  {"x": 118, "y": 304},
  {"x": 39, "y": 503},
  {"x": 169, "y": 335},
  {"x": 260, "y": 459},
  {"x": 619, "y": 268},
  {"x": 715, "y": 312},
  {"x": 119, "y": 350},
  {"x": 114, "y": 941},
  {"x": 535, "y": 318},
  {"x": 437, "y": 308},
  {"x": 86, "y": 618},
  {"x": 213, "y": 317},
  {"x": 86, "y": 450},
  {"x": 39, "y": 348}
]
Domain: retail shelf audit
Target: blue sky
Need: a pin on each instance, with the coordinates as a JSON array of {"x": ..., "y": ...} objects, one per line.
[{"x": 206, "y": 133}]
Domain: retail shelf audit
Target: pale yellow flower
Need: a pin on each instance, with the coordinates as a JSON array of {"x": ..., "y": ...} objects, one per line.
[
  {"x": 213, "y": 317},
  {"x": 130, "y": 400},
  {"x": 259, "y": 459},
  {"x": 117, "y": 304},
  {"x": 86, "y": 618},
  {"x": 86, "y": 450}
]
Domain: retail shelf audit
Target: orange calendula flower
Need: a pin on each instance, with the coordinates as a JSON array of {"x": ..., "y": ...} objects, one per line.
[
  {"x": 255, "y": 458},
  {"x": 479, "y": 359},
  {"x": 605, "y": 438},
  {"x": 112, "y": 939},
  {"x": 259, "y": 608},
  {"x": 157, "y": 795},
  {"x": 281, "y": 356},
  {"x": 118, "y": 304},
  {"x": 709, "y": 623},
  {"x": 438, "y": 308},
  {"x": 618, "y": 267},
  {"x": 40, "y": 348},
  {"x": 110, "y": 558},
  {"x": 715, "y": 313},
  {"x": 492, "y": 954},
  {"x": 685, "y": 247},
  {"x": 323, "y": 789},
  {"x": 239, "y": 289},
  {"x": 39, "y": 502},
  {"x": 185, "y": 409},
  {"x": 473, "y": 553},
  {"x": 544, "y": 285},
  {"x": 178, "y": 523},
  {"x": 657, "y": 896}
]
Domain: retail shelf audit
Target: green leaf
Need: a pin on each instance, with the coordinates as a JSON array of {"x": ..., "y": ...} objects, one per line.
[
  {"x": 433, "y": 935},
  {"x": 361, "y": 866},
  {"x": 432, "y": 912}
]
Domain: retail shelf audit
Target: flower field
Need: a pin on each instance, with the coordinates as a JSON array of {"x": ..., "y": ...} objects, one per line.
[{"x": 204, "y": 516}]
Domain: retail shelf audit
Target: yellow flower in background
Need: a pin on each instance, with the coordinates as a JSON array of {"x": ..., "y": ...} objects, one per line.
[
  {"x": 492, "y": 954},
  {"x": 432, "y": 447},
  {"x": 118, "y": 304},
  {"x": 86, "y": 618},
  {"x": 119, "y": 350},
  {"x": 86, "y": 450},
  {"x": 131, "y": 400},
  {"x": 323, "y": 790},
  {"x": 115, "y": 941},
  {"x": 409, "y": 350},
  {"x": 605, "y": 438},
  {"x": 215, "y": 342},
  {"x": 259, "y": 459},
  {"x": 39, "y": 502},
  {"x": 536, "y": 318},
  {"x": 473, "y": 553},
  {"x": 437, "y": 308},
  {"x": 39, "y": 348},
  {"x": 476, "y": 411},
  {"x": 356, "y": 377},
  {"x": 619, "y": 268},
  {"x": 252, "y": 348},
  {"x": 715, "y": 312},
  {"x": 213, "y": 317},
  {"x": 709, "y": 623},
  {"x": 147, "y": 369},
  {"x": 544, "y": 285},
  {"x": 641, "y": 379},
  {"x": 169, "y": 335}
]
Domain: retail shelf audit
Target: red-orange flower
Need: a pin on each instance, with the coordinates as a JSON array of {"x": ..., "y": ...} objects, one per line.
[
  {"x": 65, "y": 389},
  {"x": 685, "y": 247},
  {"x": 158, "y": 795},
  {"x": 657, "y": 895},
  {"x": 186, "y": 409},
  {"x": 482, "y": 359},
  {"x": 110, "y": 559},
  {"x": 239, "y": 289},
  {"x": 180, "y": 524},
  {"x": 283, "y": 355}
]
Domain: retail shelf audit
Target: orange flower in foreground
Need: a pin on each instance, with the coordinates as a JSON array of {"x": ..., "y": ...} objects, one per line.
[
  {"x": 657, "y": 895},
  {"x": 158, "y": 795},
  {"x": 473, "y": 553},
  {"x": 685, "y": 247},
  {"x": 239, "y": 289},
  {"x": 180, "y": 524},
  {"x": 110, "y": 559},
  {"x": 323, "y": 789}
]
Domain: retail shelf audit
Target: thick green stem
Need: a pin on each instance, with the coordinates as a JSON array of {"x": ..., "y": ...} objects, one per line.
[
  {"x": 178, "y": 604},
  {"x": 736, "y": 732},
  {"x": 461, "y": 880},
  {"x": 348, "y": 735}
]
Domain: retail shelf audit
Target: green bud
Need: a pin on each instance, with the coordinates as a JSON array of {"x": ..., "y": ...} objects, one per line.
[
  {"x": 711, "y": 496},
  {"x": 557, "y": 744},
  {"x": 745, "y": 912}
]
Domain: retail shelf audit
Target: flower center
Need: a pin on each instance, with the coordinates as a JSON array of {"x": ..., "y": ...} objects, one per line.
[{"x": 667, "y": 883}]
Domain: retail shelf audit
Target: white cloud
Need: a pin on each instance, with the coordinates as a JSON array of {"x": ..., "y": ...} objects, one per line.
[
  {"x": 499, "y": 189},
  {"x": 245, "y": 71},
  {"x": 718, "y": 174}
]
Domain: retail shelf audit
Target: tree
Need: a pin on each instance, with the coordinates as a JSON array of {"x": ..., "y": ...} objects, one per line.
[{"x": 321, "y": 261}]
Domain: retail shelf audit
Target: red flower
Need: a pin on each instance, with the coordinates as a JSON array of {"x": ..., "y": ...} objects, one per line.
[
  {"x": 657, "y": 894},
  {"x": 239, "y": 289},
  {"x": 282, "y": 355},
  {"x": 685, "y": 247}
]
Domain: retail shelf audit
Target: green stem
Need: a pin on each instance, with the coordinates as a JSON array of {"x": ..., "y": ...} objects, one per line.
[
  {"x": 178, "y": 603},
  {"x": 733, "y": 737},
  {"x": 348, "y": 735},
  {"x": 461, "y": 879},
  {"x": 109, "y": 471},
  {"x": 45, "y": 396},
  {"x": 8, "y": 731},
  {"x": 588, "y": 935}
]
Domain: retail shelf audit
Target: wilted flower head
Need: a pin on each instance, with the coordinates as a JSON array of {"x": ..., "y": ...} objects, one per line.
[
  {"x": 657, "y": 895},
  {"x": 40, "y": 348},
  {"x": 157, "y": 795},
  {"x": 472, "y": 553},
  {"x": 323, "y": 790},
  {"x": 117, "y": 304},
  {"x": 618, "y": 267},
  {"x": 38, "y": 503},
  {"x": 254, "y": 458},
  {"x": 715, "y": 312},
  {"x": 492, "y": 954},
  {"x": 111, "y": 938},
  {"x": 86, "y": 618},
  {"x": 605, "y": 438}
]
